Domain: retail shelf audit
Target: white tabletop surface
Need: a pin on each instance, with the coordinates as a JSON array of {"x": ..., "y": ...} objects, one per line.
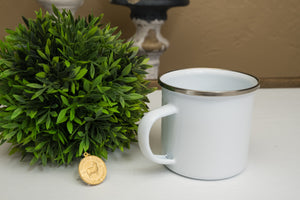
[{"x": 273, "y": 170}]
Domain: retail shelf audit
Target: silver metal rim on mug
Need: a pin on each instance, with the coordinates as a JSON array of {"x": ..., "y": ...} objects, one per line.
[{"x": 208, "y": 93}]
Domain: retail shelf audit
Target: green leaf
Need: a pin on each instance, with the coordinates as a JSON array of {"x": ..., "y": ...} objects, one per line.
[
  {"x": 86, "y": 143},
  {"x": 70, "y": 156},
  {"x": 145, "y": 61},
  {"x": 55, "y": 11},
  {"x": 76, "y": 70},
  {"x": 98, "y": 80},
  {"x": 44, "y": 159},
  {"x": 9, "y": 135},
  {"x": 70, "y": 127},
  {"x": 86, "y": 85},
  {"x": 105, "y": 111},
  {"x": 104, "y": 153},
  {"x": 41, "y": 75},
  {"x": 135, "y": 51},
  {"x": 73, "y": 88},
  {"x": 125, "y": 88},
  {"x": 67, "y": 63},
  {"x": 126, "y": 70},
  {"x": 80, "y": 151},
  {"x": 55, "y": 59},
  {"x": 48, "y": 42},
  {"x": 19, "y": 98},
  {"x": 103, "y": 89},
  {"x": 10, "y": 108},
  {"x": 114, "y": 64},
  {"x": 19, "y": 136},
  {"x": 72, "y": 113},
  {"x": 129, "y": 79},
  {"x": 48, "y": 122},
  {"x": 38, "y": 93},
  {"x": 40, "y": 145},
  {"x": 120, "y": 135},
  {"x": 80, "y": 133},
  {"x": 45, "y": 67},
  {"x": 78, "y": 121},
  {"x": 33, "y": 161},
  {"x": 47, "y": 50},
  {"x": 92, "y": 71},
  {"x": 92, "y": 31},
  {"x": 34, "y": 85},
  {"x": 81, "y": 74},
  {"x": 121, "y": 148},
  {"x": 42, "y": 54},
  {"x": 122, "y": 102},
  {"x": 127, "y": 113},
  {"x": 13, "y": 150},
  {"x": 10, "y": 125},
  {"x": 16, "y": 113},
  {"x": 114, "y": 109},
  {"x": 25, "y": 20},
  {"x": 64, "y": 100},
  {"x": 111, "y": 58},
  {"x": 133, "y": 96},
  {"x": 31, "y": 113},
  {"x": 61, "y": 137},
  {"x": 54, "y": 114},
  {"x": 68, "y": 149},
  {"x": 6, "y": 73},
  {"x": 61, "y": 116},
  {"x": 42, "y": 119}
]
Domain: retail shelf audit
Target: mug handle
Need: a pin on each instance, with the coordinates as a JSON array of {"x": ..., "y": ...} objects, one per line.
[{"x": 144, "y": 130}]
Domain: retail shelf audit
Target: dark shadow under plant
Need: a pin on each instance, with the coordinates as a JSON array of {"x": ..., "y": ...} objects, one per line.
[{"x": 69, "y": 86}]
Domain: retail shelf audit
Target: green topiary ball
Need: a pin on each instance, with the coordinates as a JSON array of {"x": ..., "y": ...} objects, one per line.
[{"x": 69, "y": 86}]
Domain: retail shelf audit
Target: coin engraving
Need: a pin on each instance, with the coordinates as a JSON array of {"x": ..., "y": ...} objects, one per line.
[{"x": 92, "y": 170}]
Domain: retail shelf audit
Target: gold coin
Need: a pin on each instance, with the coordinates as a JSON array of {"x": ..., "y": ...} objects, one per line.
[{"x": 92, "y": 169}]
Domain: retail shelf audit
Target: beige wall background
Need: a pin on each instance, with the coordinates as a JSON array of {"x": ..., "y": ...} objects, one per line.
[{"x": 261, "y": 37}]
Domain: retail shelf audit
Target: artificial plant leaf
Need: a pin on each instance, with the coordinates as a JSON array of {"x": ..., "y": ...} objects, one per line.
[
  {"x": 19, "y": 136},
  {"x": 34, "y": 85},
  {"x": 81, "y": 74},
  {"x": 129, "y": 79},
  {"x": 10, "y": 125},
  {"x": 133, "y": 96},
  {"x": 67, "y": 63},
  {"x": 72, "y": 114},
  {"x": 40, "y": 145},
  {"x": 16, "y": 113},
  {"x": 42, "y": 54},
  {"x": 126, "y": 70},
  {"x": 38, "y": 93},
  {"x": 92, "y": 71},
  {"x": 61, "y": 116},
  {"x": 64, "y": 100},
  {"x": 41, "y": 74},
  {"x": 48, "y": 122},
  {"x": 19, "y": 98},
  {"x": 70, "y": 127}
]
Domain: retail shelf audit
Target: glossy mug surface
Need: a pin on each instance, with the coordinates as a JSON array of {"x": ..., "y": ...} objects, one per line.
[{"x": 206, "y": 120}]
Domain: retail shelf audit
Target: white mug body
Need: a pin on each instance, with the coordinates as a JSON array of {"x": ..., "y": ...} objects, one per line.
[
  {"x": 208, "y": 137},
  {"x": 206, "y": 122}
]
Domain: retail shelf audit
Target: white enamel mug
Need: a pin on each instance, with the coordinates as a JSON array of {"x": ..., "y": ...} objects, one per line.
[{"x": 206, "y": 120}]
